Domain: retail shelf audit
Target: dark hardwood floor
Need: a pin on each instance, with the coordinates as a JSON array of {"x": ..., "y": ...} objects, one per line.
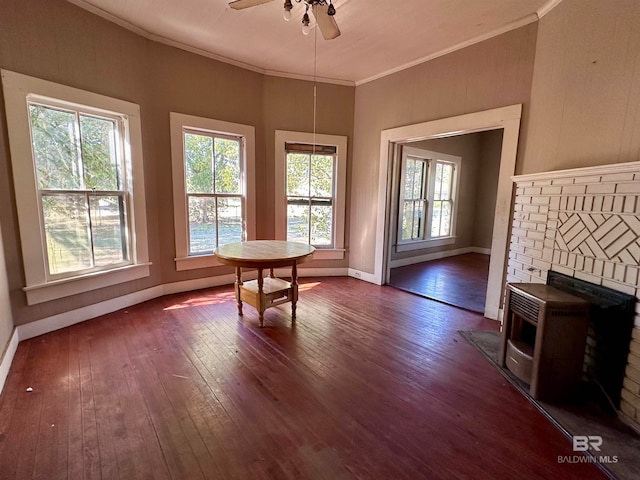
[
  {"x": 371, "y": 383},
  {"x": 460, "y": 280}
]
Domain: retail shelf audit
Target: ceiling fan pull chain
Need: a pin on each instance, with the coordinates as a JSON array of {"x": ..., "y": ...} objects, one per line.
[{"x": 315, "y": 71}]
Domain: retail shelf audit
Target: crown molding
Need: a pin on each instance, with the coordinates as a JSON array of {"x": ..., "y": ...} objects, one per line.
[
  {"x": 547, "y": 7},
  {"x": 199, "y": 51},
  {"x": 531, "y": 18}
]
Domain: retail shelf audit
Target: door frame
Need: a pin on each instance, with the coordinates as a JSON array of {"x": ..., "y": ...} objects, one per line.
[{"x": 506, "y": 118}]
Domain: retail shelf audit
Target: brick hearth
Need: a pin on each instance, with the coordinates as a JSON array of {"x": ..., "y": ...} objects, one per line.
[{"x": 584, "y": 223}]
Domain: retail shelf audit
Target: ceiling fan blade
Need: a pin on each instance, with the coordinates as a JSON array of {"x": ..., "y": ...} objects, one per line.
[
  {"x": 326, "y": 23},
  {"x": 241, "y": 4}
]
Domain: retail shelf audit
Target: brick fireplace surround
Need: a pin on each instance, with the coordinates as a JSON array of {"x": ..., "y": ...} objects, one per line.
[{"x": 584, "y": 223}]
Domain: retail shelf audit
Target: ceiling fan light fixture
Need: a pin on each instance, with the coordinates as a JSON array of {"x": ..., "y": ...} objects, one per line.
[
  {"x": 323, "y": 11},
  {"x": 287, "y": 10},
  {"x": 305, "y": 24}
]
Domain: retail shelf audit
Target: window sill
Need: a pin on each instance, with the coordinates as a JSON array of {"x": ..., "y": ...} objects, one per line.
[
  {"x": 422, "y": 244},
  {"x": 74, "y": 285}
]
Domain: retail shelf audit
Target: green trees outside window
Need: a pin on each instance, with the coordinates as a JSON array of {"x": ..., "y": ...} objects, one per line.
[
  {"x": 82, "y": 190},
  {"x": 442, "y": 201},
  {"x": 310, "y": 198},
  {"x": 426, "y": 196},
  {"x": 414, "y": 199},
  {"x": 213, "y": 176}
]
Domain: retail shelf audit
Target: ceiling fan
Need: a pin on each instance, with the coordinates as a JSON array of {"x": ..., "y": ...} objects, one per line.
[{"x": 323, "y": 11}]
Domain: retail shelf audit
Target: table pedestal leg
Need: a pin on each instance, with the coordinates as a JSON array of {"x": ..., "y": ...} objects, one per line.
[
  {"x": 237, "y": 287},
  {"x": 294, "y": 291},
  {"x": 261, "y": 299}
]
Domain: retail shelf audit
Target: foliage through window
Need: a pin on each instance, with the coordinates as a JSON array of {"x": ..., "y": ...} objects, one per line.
[
  {"x": 414, "y": 199},
  {"x": 310, "y": 192},
  {"x": 213, "y": 176},
  {"x": 442, "y": 208},
  {"x": 82, "y": 187},
  {"x": 426, "y": 196}
]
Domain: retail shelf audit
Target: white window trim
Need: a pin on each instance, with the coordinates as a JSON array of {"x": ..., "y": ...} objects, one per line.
[
  {"x": 179, "y": 122},
  {"x": 340, "y": 142},
  {"x": 17, "y": 88},
  {"x": 409, "y": 245}
]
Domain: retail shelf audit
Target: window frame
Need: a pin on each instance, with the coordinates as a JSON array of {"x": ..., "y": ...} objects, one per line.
[
  {"x": 423, "y": 198},
  {"x": 215, "y": 195},
  {"x": 40, "y": 287},
  {"x": 123, "y": 192},
  {"x": 432, "y": 158},
  {"x": 179, "y": 123},
  {"x": 282, "y": 137},
  {"x": 308, "y": 200}
]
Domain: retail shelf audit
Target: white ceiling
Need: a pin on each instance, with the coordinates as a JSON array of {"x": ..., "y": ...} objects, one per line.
[{"x": 378, "y": 36}]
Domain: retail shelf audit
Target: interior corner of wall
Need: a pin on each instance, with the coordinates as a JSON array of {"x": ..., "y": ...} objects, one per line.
[{"x": 7, "y": 357}]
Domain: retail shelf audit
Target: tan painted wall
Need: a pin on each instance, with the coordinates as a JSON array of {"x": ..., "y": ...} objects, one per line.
[
  {"x": 6, "y": 316},
  {"x": 55, "y": 40},
  {"x": 186, "y": 83},
  {"x": 41, "y": 38},
  {"x": 288, "y": 105},
  {"x": 490, "y": 147},
  {"x": 585, "y": 96},
  {"x": 491, "y": 74}
]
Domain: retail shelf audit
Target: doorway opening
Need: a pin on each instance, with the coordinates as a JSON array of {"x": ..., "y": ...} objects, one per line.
[
  {"x": 442, "y": 210},
  {"x": 506, "y": 119}
]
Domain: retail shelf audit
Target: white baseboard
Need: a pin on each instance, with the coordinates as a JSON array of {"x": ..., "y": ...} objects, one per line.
[
  {"x": 360, "y": 275},
  {"x": 315, "y": 272},
  {"x": 200, "y": 283},
  {"x": 65, "y": 319},
  {"x": 7, "y": 357},
  {"x": 402, "y": 262},
  {"x": 493, "y": 314}
]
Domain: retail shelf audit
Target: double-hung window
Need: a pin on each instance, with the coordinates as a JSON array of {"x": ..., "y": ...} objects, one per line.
[
  {"x": 414, "y": 198},
  {"x": 213, "y": 187},
  {"x": 213, "y": 172},
  {"x": 79, "y": 182},
  {"x": 427, "y": 198},
  {"x": 78, "y": 155},
  {"x": 310, "y": 191}
]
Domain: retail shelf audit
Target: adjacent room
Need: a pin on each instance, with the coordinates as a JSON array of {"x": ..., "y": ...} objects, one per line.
[
  {"x": 445, "y": 258},
  {"x": 425, "y": 164}
]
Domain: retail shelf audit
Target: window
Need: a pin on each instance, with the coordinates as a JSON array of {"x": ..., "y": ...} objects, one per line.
[
  {"x": 213, "y": 181},
  {"x": 442, "y": 205},
  {"x": 310, "y": 185},
  {"x": 426, "y": 198},
  {"x": 310, "y": 191},
  {"x": 81, "y": 183},
  {"x": 213, "y": 165},
  {"x": 77, "y": 158},
  {"x": 414, "y": 202}
]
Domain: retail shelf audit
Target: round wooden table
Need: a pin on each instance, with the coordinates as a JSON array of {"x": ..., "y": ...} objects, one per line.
[{"x": 265, "y": 254}]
